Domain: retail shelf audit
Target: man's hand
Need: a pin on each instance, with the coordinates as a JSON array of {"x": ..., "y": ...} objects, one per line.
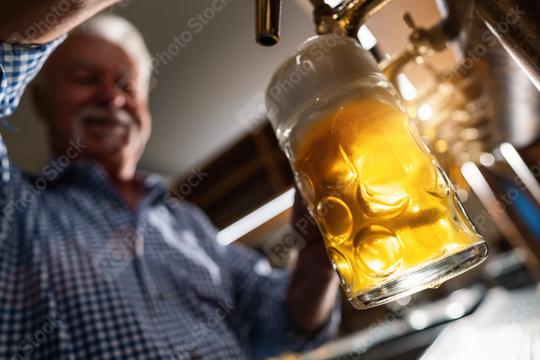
[
  {"x": 314, "y": 284},
  {"x": 38, "y": 22}
]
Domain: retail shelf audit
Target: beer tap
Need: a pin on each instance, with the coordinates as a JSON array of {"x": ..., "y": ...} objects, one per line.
[
  {"x": 267, "y": 17},
  {"x": 512, "y": 21},
  {"x": 345, "y": 19},
  {"x": 422, "y": 43}
]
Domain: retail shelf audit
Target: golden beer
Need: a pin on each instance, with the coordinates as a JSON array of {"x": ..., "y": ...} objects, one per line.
[
  {"x": 383, "y": 205},
  {"x": 390, "y": 218}
]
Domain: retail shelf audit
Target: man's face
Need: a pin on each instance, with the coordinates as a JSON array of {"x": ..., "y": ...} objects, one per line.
[{"x": 93, "y": 92}]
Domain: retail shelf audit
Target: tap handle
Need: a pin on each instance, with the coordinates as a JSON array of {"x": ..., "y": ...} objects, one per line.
[{"x": 409, "y": 21}]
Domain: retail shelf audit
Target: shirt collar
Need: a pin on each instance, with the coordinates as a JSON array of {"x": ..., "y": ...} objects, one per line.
[{"x": 83, "y": 171}]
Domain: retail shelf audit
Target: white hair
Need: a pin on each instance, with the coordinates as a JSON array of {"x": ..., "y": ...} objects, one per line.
[{"x": 121, "y": 32}]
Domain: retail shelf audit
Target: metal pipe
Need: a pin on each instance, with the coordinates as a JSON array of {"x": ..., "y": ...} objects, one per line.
[
  {"x": 481, "y": 187},
  {"x": 267, "y": 15},
  {"x": 515, "y": 24},
  {"x": 516, "y": 162},
  {"x": 515, "y": 101}
]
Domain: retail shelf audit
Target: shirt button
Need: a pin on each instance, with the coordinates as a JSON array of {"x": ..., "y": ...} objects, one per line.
[
  {"x": 161, "y": 296},
  {"x": 194, "y": 355}
]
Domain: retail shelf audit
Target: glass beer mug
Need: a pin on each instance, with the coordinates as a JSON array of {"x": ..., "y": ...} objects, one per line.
[{"x": 389, "y": 216}]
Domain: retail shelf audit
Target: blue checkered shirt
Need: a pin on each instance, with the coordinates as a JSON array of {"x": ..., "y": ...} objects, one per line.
[{"x": 84, "y": 277}]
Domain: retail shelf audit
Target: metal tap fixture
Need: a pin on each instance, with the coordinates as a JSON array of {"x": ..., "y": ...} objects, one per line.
[
  {"x": 347, "y": 18},
  {"x": 513, "y": 22},
  {"x": 267, "y": 17},
  {"x": 422, "y": 43}
]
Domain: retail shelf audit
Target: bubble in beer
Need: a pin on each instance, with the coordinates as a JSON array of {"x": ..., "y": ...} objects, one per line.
[
  {"x": 336, "y": 219},
  {"x": 379, "y": 249},
  {"x": 442, "y": 187},
  {"x": 336, "y": 170},
  {"x": 306, "y": 187},
  {"x": 383, "y": 201},
  {"x": 343, "y": 268}
]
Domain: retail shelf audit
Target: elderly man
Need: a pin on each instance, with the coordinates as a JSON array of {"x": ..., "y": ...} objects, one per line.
[{"x": 95, "y": 260}]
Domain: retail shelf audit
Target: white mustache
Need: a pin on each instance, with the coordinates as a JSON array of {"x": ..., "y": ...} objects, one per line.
[
  {"x": 124, "y": 125},
  {"x": 117, "y": 116}
]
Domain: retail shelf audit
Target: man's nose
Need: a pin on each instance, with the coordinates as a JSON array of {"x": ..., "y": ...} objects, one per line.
[{"x": 110, "y": 95}]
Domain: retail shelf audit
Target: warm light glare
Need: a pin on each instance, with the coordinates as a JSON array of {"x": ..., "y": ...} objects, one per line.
[
  {"x": 462, "y": 194},
  {"x": 487, "y": 159},
  {"x": 418, "y": 320},
  {"x": 256, "y": 218},
  {"x": 511, "y": 155},
  {"x": 407, "y": 89},
  {"x": 470, "y": 134},
  {"x": 476, "y": 180},
  {"x": 333, "y": 3},
  {"x": 455, "y": 310},
  {"x": 366, "y": 37},
  {"x": 404, "y": 301},
  {"x": 425, "y": 112},
  {"x": 441, "y": 146}
]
